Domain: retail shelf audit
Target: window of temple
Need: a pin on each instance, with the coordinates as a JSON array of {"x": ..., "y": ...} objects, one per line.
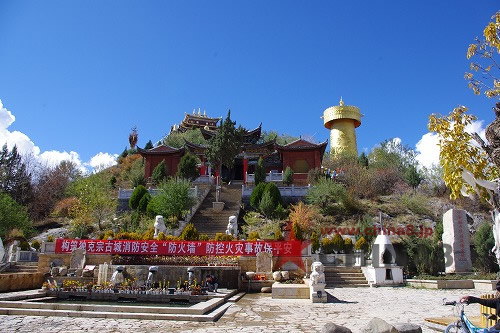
[{"x": 301, "y": 166}]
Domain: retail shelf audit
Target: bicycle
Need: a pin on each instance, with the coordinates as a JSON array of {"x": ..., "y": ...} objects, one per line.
[{"x": 463, "y": 324}]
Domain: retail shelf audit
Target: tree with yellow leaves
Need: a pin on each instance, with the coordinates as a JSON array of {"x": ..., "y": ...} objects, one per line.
[
  {"x": 486, "y": 67},
  {"x": 458, "y": 152}
]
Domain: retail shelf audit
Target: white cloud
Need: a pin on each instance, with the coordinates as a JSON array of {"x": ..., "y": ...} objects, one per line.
[
  {"x": 102, "y": 161},
  {"x": 428, "y": 150},
  {"x": 428, "y": 146},
  {"x": 50, "y": 157}
]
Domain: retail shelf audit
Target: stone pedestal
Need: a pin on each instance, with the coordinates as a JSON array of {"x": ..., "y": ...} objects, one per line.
[
  {"x": 384, "y": 275},
  {"x": 318, "y": 293},
  {"x": 218, "y": 206},
  {"x": 456, "y": 242}
]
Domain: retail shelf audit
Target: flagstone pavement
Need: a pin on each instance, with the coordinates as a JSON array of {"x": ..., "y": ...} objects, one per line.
[{"x": 350, "y": 307}]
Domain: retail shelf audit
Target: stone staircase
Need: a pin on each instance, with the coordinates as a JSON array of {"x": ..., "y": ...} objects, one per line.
[
  {"x": 350, "y": 277},
  {"x": 208, "y": 222},
  {"x": 27, "y": 267}
]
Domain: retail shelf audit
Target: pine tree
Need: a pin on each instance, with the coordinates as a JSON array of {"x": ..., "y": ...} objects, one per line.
[
  {"x": 225, "y": 145},
  {"x": 188, "y": 167},
  {"x": 160, "y": 173},
  {"x": 148, "y": 145},
  {"x": 14, "y": 176},
  {"x": 260, "y": 172}
]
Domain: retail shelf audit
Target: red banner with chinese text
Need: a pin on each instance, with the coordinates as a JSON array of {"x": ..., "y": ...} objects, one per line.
[{"x": 180, "y": 248}]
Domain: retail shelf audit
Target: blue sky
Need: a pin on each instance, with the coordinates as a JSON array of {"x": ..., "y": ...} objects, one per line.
[{"x": 78, "y": 75}]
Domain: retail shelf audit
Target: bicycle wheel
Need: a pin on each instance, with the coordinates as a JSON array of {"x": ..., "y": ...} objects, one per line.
[{"x": 453, "y": 328}]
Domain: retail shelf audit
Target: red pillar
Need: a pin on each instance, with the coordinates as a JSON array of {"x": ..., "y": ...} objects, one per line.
[
  {"x": 245, "y": 168},
  {"x": 202, "y": 167}
]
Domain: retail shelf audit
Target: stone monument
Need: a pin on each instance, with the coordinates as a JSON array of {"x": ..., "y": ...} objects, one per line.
[
  {"x": 77, "y": 262},
  {"x": 456, "y": 242},
  {"x": 264, "y": 262},
  {"x": 317, "y": 283},
  {"x": 159, "y": 225}
]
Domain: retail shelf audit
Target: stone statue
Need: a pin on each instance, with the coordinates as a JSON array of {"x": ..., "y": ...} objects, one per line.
[
  {"x": 317, "y": 275},
  {"x": 159, "y": 225},
  {"x": 232, "y": 226},
  {"x": 317, "y": 284},
  {"x": 2, "y": 251}
]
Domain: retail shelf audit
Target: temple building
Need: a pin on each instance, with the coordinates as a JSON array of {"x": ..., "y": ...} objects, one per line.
[
  {"x": 196, "y": 120},
  {"x": 300, "y": 155}
]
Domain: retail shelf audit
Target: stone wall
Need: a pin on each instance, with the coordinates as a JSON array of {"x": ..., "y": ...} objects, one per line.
[{"x": 20, "y": 281}]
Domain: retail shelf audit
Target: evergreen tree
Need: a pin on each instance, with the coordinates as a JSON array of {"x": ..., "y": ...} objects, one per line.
[
  {"x": 148, "y": 145},
  {"x": 412, "y": 176},
  {"x": 188, "y": 167},
  {"x": 260, "y": 172},
  {"x": 225, "y": 145},
  {"x": 14, "y": 176},
  {"x": 288, "y": 176},
  {"x": 363, "y": 159},
  {"x": 160, "y": 173}
]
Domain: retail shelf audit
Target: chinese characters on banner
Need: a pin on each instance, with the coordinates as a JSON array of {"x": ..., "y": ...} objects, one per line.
[{"x": 180, "y": 248}]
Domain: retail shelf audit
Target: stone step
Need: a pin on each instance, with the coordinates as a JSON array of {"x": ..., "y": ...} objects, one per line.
[
  {"x": 347, "y": 286},
  {"x": 335, "y": 281},
  {"x": 342, "y": 269}
]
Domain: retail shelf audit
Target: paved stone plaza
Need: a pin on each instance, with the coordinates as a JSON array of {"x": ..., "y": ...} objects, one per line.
[{"x": 350, "y": 307}]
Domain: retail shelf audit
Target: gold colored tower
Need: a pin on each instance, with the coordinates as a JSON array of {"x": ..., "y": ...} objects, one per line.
[{"x": 341, "y": 120}]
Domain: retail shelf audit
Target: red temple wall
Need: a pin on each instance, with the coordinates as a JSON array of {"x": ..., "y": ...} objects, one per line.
[{"x": 171, "y": 161}]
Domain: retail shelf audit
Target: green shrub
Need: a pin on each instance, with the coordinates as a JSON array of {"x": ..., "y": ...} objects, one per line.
[
  {"x": 136, "y": 196},
  {"x": 161, "y": 236},
  {"x": 361, "y": 244},
  {"x": 328, "y": 195},
  {"x": 220, "y": 237},
  {"x": 275, "y": 194},
  {"x": 266, "y": 205},
  {"x": 254, "y": 235},
  {"x": 112, "y": 181},
  {"x": 260, "y": 172},
  {"x": 50, "y": 238},
  {"x": 314, "y": 175},
  {"x": 315, "y": 245},
  {"x": 326, "y": 245},
  {"x": 297, "y": 231},
  {"x": 338, "y": 243},
  {"x": 204, "y": 237},
  {"x": 417, "y": 203},
  {"x": 288, "y": 176},
  {"x": 173, "y": 199},
  {"x": 144, "y": 202},
  {"x": 348, "y": 245},
  {"x": 24, "y": 245},
  {"x": 190, "y": 233},
  {"x": 256, "y": 195},
  {"x": 13, "y": 215},
  {"x": 138, "y": 179},
  {"x": 483, "y": 243},
  {"x": 280, "y": 212},
  {"x": 35, "y": 244},
  {"x": 188, "y": 167},
  {"x": 160, "y": 173}
]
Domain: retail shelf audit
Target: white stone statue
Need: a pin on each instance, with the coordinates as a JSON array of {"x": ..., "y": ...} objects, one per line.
[
  {"x": 159, "y": 225},
  {"x": 232, "y": 226},
  {"x": 382, "y": 245},
  {"x": 2, "y": 251},
  {"x": 318, "y": 273},
  {"x": 317, "y": 285}
]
